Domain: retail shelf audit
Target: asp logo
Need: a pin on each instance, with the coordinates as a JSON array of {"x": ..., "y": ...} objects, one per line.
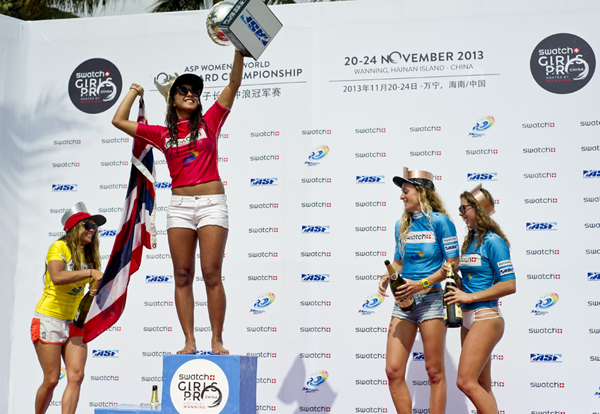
[
  {"x": 544, "y": 226},
  {"x": 107, "y": 233},
  {"x": 545, "y": 358},
  {"x": 255, "y": 28},
  {"x": 162, "y": 185},
  {"x": 159, "y": 279},
  {"x": 591, "y": 173},
  {"x": 315, "y": 229},
  {"x": 593, "y": 276},
  {"x": 370, "y": 179},
  {"x": 105, "y": 353},
  {"x": 309, "y": 277},
  {"x": 418, "y": 356},
  {"x": 482, "y": 176},
  {"x": 263, "y": 181},
  {"x": 64, "y": 187}
]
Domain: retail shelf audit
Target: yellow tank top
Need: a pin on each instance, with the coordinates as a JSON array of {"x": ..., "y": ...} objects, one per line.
[{"x": 61, "y": 301}]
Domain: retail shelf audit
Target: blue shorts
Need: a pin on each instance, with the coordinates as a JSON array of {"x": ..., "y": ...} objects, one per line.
[{"x": 429, "y": 305}]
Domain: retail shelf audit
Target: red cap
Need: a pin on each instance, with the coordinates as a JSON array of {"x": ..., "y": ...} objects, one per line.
[{"x": 77, "y": 217}]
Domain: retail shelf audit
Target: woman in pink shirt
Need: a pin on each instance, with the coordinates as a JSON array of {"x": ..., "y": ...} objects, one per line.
[{"x": 198, "y": 209}]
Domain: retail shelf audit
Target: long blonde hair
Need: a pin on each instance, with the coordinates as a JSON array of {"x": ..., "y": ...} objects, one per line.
[
  {"x": 430, "y": 202},
  {"x": 483, "y": 222},
  {"x": 91, "y": 251}
]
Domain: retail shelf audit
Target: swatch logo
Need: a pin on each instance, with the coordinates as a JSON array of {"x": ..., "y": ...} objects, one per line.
[
  {"x": 316, "y": 380},
  {"x": 482, "y": 124},
  {"x": 317, "y": 154},
  {"x": 262, "y": 302},
  {"x": 370, "y": 303},
  {"x": 544, "y": 303}
]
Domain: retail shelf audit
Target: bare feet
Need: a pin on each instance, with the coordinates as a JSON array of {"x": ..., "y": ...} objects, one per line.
[
  {"x": 190, "y": 348},
  {"x": 217, "y": 348}
]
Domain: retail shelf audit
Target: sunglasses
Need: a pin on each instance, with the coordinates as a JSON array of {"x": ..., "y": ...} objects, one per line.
[
  {"x": 463, "y": 209},
  {"x": 182, "y": 90},
  {"x": 89, "y": 225}
]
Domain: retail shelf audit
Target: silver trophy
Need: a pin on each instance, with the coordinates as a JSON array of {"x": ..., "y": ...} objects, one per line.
[
  {"x": 215, "y": 16},
  {"x": 247, "y": 24}
]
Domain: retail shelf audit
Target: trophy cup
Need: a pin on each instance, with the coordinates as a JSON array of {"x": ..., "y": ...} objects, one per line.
[{"x": 248, "y": 24}]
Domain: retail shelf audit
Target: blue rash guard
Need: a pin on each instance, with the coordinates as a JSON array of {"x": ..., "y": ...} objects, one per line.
[
  {"x": 428, "y": 244},
  {"x": 484, "y": 266}
]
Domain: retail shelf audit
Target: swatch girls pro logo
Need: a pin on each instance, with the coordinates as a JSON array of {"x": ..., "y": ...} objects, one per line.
[
  {"x": 95, "y": 86},
  {"x": 316, "y": 380},
  {"x": 562, "y": 63},
  {"x": 262, "y": 302},
  {"x": 199, "y": 385},
  {"x": 317, "y": 154},
  {"x": 371, "y": 303},
  {"x": 545, "y": 302},
  {"x": 482, "y": 124}
]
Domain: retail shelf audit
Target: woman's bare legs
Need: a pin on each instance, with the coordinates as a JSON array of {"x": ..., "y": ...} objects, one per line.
[
  {"x": 474, "y": 367},
  {"x": 74, "y": 353},
  {"x": 182, "y": 244},
  {"x": 401, "y": 337},
  {"x": 433, "y": 334},
  {"x": 49, "y": 357},
  {"x": 212, "y": 241}
]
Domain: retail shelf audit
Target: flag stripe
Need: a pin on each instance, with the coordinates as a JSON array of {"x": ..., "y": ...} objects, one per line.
[{"x": 136, "y": 230}]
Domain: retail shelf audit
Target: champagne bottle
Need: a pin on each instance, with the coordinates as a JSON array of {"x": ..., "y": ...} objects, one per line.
[
  {"x": 154, "y": 403},
  {"x": 453, "y": 317},
  {"x": 84, "y": 308},
  {"x": 395, "y": 282}
]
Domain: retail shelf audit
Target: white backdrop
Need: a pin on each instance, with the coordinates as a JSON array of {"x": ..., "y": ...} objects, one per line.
[{"x": 365, "y": 80}]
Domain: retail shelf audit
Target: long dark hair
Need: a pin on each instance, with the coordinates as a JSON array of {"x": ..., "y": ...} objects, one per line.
[
  {"x": 171, "y": 121},
  {"x": 483, "y": 222},
  {"x": 91, "y": 251}
]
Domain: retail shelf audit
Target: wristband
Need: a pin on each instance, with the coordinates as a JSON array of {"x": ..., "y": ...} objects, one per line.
[
  {"x": 425, "y": 283},
  {"x": 135, "y": 90}
]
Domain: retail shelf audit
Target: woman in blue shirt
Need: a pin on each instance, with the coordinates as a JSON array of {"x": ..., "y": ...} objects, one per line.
[
  {"x": 425, "y": 240},
  {"x": 487, "y": 275}
]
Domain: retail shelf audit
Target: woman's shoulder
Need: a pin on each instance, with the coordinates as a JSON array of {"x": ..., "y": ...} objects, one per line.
[
  {"x": 493, "y": 240},
  {"x": 440, "y": 217},
  {"x": 58, "y": 249}
]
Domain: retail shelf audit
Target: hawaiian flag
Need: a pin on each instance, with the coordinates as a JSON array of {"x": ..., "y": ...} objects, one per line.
[{"x": 136, "y": 230}]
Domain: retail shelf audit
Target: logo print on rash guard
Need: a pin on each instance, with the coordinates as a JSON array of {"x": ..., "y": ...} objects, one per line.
[{"x": 190, "y": 157}]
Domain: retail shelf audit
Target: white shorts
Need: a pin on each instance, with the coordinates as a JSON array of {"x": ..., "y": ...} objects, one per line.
[
  {"x": 480, "y": 314},
  {"x": 193, "y": 212},
  {"x": 51, "y": 330}
]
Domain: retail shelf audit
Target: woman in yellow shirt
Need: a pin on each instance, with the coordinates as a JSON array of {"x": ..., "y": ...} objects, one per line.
[{"x": 72, "y": 262}]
